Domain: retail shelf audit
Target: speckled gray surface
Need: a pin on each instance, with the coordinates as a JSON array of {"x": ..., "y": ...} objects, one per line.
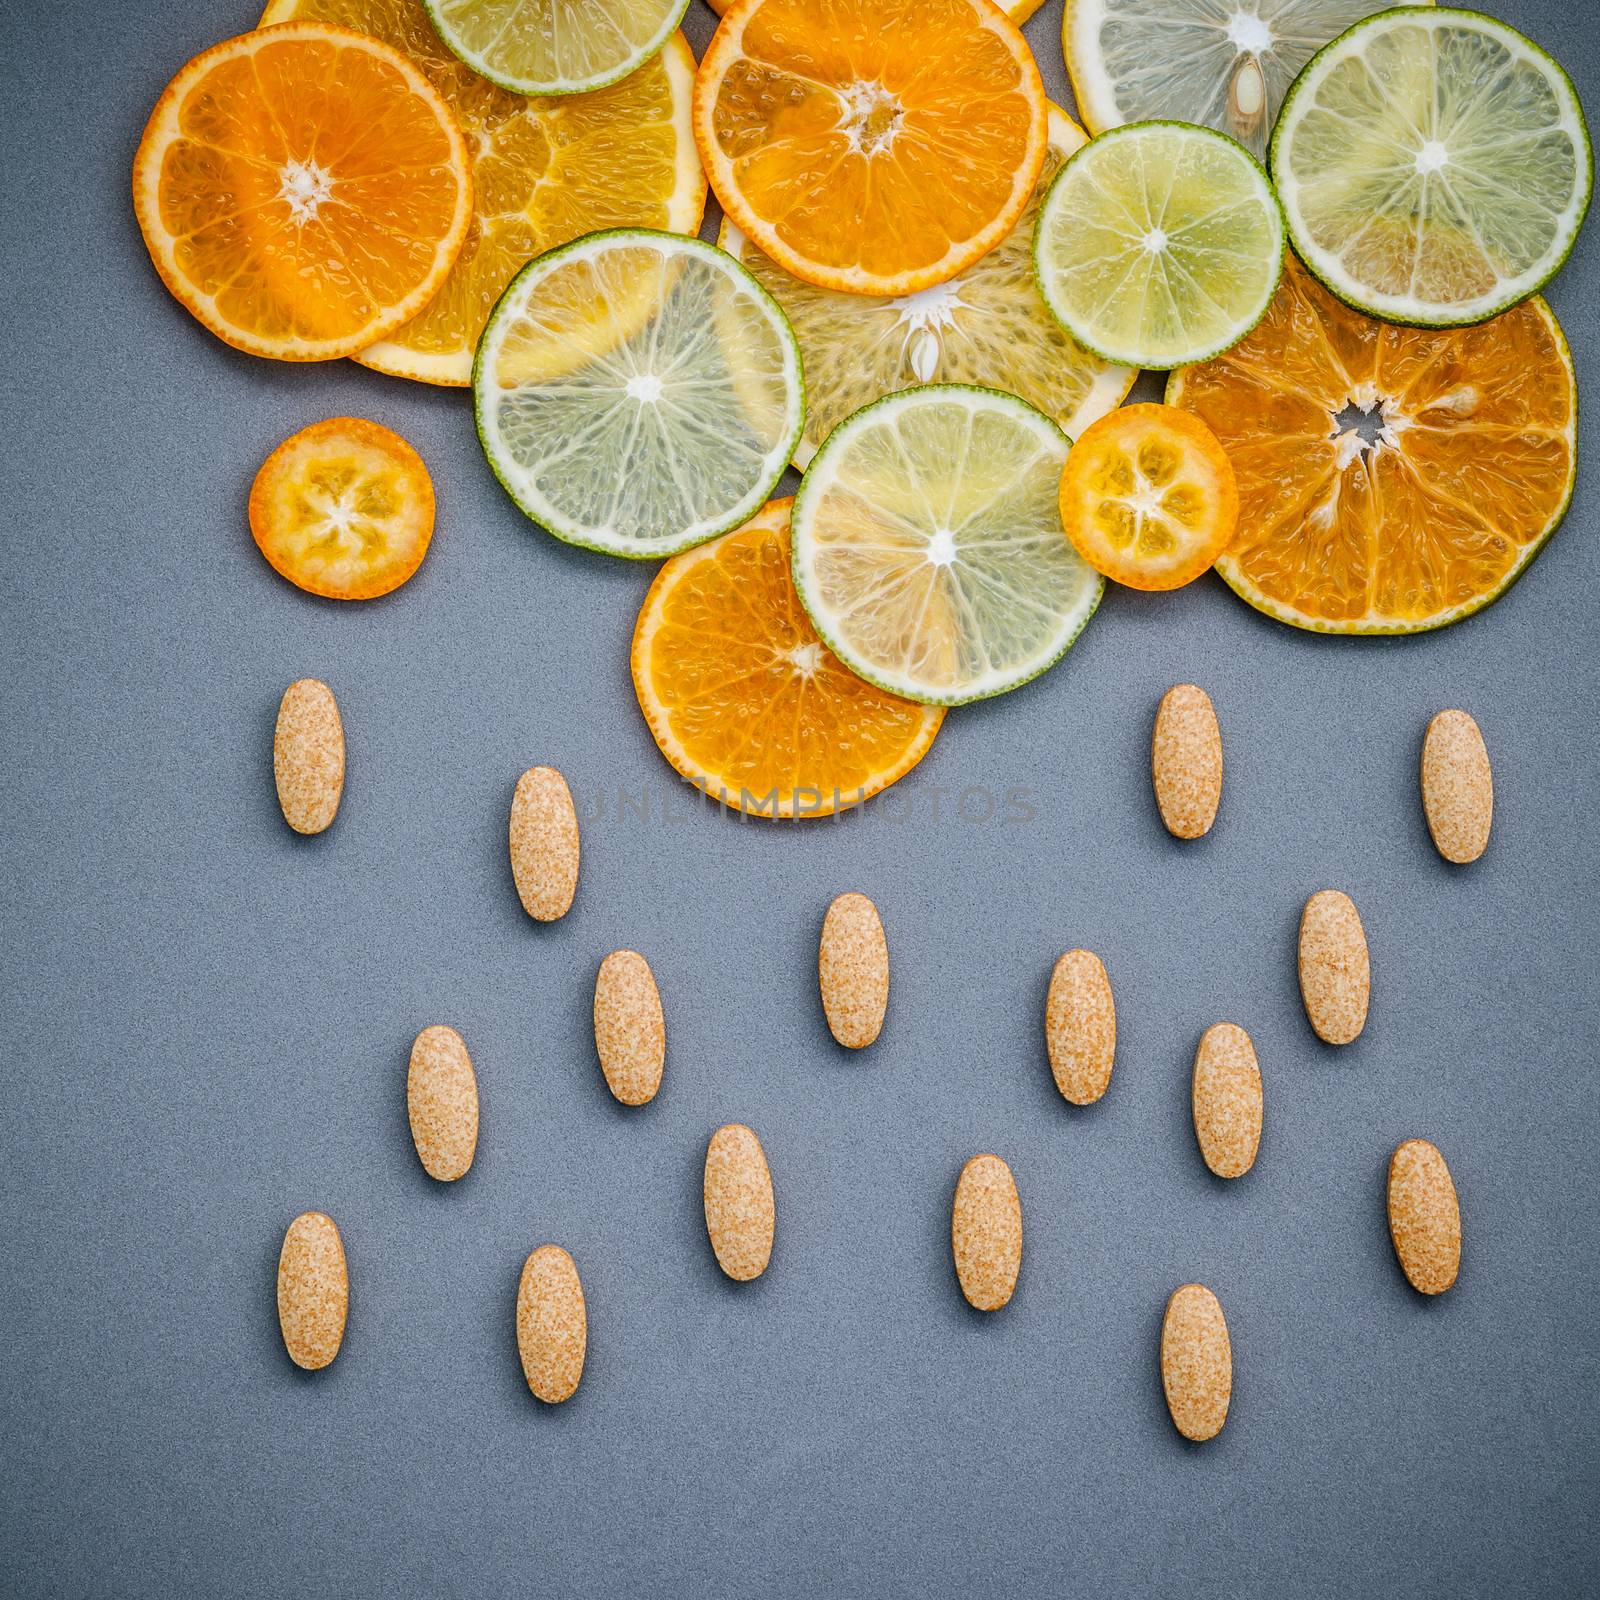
[{"x": 208, "y": 1020}]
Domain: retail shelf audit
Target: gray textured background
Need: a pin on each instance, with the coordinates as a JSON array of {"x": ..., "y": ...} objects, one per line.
[{"x": 207, "y": 1024}]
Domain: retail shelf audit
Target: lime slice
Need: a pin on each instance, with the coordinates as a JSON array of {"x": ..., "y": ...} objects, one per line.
[
  {"x": 987, "y": 326},
  {"x": 928, "y": 548},
  {"x": 1223, "y": 63},
  {"x": 1160, "y": 244},
  {"x": 554, "y": 46},
  {"x": 1434, "y": 167},
  {"x": 638, "y": 392}
]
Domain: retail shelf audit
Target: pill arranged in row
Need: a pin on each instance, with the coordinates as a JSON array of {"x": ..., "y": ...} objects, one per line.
[
  {"x": 552, "y": 1324},
  {"x": 1186, "y": 772},
  {"x": 1186, "y": 769}
]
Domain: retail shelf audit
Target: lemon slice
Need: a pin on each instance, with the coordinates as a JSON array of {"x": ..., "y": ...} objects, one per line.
[
  {"x": 1434, "y": 166},
  {"x": 555, "y": 46},
  {"x": 638, "y": 392},
  {"x": 989, "y": 326},
  {"x": 1225, "y": 64},
  {"x": 928, "y": 547},
  {"x": 1160, "y": 244},
  {"x": 545, "y": 170}
]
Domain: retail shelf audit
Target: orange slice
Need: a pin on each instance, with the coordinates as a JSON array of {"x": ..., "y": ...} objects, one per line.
[
  {"x": 303, "y": 190},
  {"x": 545, "y": 169},
  {"x": 743, "y": 697},
  {"x": 1390, "y": 479},
  {"x": 343, "y": 509},
  {"x": 874, "y": 146},
  {"x": 1148, "y": 497}
]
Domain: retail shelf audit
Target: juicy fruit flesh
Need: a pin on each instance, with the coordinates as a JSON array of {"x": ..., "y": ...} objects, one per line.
[
  {"x": 989, "y": 326},
  {"x": 545, "y": 170},
  {"x": 1224, "y": 65},
  {"x": 640, "y": 398},
  {"x": 1469, "y": 471},
  {"x": 343, "y": 509},
  {"x": 1145, "y": 511},
  {"x": 1158, "y": 244},
  {"x": 746, "y": 700},
  {"x": 935, "y": 553},
  {"x": 300, "y": 215},
  {"x": 1434, "y": 166},
  {"x": 850, "y": 153},
  {"x": 539, "y": 43}
]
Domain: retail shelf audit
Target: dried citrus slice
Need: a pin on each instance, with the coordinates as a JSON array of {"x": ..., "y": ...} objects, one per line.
[
  {"x": 743, "y": 697},
  {"x": 928, "y": 546},
  {"x": 988, "y": 326},
  {"x": 871, "y": 147},
  {"x": 1390, "y": 479},
  {"x": 1148, "y": 497},
  {"x": 1434, "y": 166},
  {"x": 1225, "y": 64},
  {"x": 294, "y": 219},
  {"x": 555, "y": 46},
  {"x": 343, "y": 509},
  {"x": 545, "y": 170},
  {"x": 638, "y": 392},
  {"x": 1159, "y": 243}
]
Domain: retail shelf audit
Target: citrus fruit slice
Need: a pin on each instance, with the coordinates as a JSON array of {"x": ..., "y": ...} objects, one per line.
[
  {"x": 928, "y": 546},
  {"x": 555, "y": 46},
  {"x": 743, "y": 697},
  {"x": 1225, "y": 64},
  {"x": 988, "y": 326},
  {"x": 1434, "y": 166},
  {"x": 1148, "y": 497},
  {"x": 867, "y": 147},
  {"x": 1390, "y": 479},
  {"x": 343, "y": 509},
  {"x": 1159, "y": 244},
  {"x": 545, "y": 170},
  {"x": 293, "y": 221},
  {"x": 638, "y": 392}
]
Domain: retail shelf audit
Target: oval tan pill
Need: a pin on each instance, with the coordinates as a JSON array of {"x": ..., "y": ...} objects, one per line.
[
  {"x": 313, "y": 1290},
  {"x": 552, "y": 1324},
  {"x": 853, "y": 970},
  {"x": 1424, "y": 1217},
  {"x": 544, "y": 843},
  {"x": 1080, "y": 1027},
  {"x": 986, "y": 1232},
  {"x": 442, "y": 1103},
  {"x": 1186, "y": 761},
  {"x": 630, "y": 1034},
  {"x": 740, "y": 1213},
  {"x": 308, "y": 755},
  {"x": 1196, "y": 1362},
  {"x": 1457, "y": 787},
  {"x": 1335, "y": 969},
  {"x": 1227, "y": 1100}
]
